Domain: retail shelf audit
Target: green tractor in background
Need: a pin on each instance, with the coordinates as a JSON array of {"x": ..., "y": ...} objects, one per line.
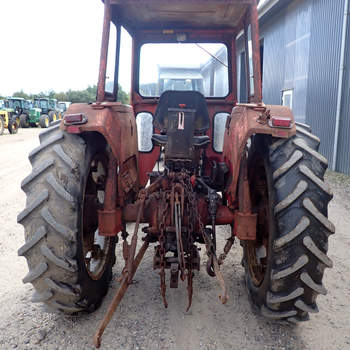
[
  {"x": 9, "y": 119},
  {"x": 33, "y": 116},
  {"x": 16, "y": 103},
  {"x": 50, "y": 111},
  {"x": 63, "y": 106},
  {"x": 23, "y": 109}
]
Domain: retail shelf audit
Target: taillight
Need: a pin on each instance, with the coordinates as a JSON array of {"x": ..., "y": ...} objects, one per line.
[
  {"x": 73, "y": 119},
  {"x": 280, "y": 122}
]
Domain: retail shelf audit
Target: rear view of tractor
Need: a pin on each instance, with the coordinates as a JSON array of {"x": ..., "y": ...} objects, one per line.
[
  {"x": 249, "y": 166},
  {"x": 30, "y": 115},
  {"x": 8, "y": 120},
  {"x": 63, "y": 106}
]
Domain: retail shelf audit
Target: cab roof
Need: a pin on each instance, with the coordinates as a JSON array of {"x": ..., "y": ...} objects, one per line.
[
  {"x": 16, "y": 98},
  {"x": 137, "y": 15}
]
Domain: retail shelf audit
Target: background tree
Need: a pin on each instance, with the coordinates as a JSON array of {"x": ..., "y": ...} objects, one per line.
[{"x": 74, "y": 96}]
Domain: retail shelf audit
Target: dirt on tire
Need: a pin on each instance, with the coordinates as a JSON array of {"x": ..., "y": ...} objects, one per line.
[
  {"x": 54, "y": 226},
  {"x": 297, "y": 228}
]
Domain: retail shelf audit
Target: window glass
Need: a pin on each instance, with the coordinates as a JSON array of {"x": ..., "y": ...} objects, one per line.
[
  {"x": 287, "y": 98},
  {"x": 144, "y": 123},
  {"x": 125, "y": 63},
  {"x": 251, "y": 67},
  {"x": 219, "y": 131},
  {"x": 184, "y": 67},
  {"x": 43, "y": 104},
  {"x": 112, "y": 45}
]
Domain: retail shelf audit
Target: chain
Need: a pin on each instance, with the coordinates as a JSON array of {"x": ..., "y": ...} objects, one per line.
[
  {"x": 161, "y": 250},
  {"x": 190, "y": 198}
]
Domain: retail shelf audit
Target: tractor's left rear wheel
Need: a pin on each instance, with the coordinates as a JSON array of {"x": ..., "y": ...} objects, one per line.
[
  {"x": 13, "y": 125},
  {"x": 70, "y": 264}
]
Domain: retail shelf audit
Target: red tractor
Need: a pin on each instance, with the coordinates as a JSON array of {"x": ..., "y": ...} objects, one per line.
[{"x": 247, "y": 165}]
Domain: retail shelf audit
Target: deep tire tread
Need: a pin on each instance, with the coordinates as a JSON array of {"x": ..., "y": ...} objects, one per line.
[
  {"x": 66, "y": 264},
  {"x": 50, "y": 219},
  {"x": 38, "y": 235},
  {"x": 299, "y": 248},
  {"x": 40, "y": 199},
  {"x": 35, "y": 273},
  {"x": 48, "y": 163},
  {"x": 47, "y": 132},
  {"x": 44, "y": 145}
]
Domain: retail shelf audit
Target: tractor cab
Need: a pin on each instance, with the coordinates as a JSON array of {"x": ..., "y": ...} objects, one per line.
[
  {"x": 28, "y": 105},
  {"x": 180, "y": 47},
  {"x": 42, "y": 103},
  {"x": 17, "y": 104},
  {"x": 46, "y": 104}
]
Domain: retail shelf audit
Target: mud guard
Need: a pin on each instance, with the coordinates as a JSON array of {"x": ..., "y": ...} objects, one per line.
[
  {"x": 244, "y": 121},
  {"x": 116, "y": 122}
]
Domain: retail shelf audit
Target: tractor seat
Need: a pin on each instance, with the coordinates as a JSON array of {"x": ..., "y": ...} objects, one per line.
[
  {"x": 182, "y": 99},
  {"x": 183, "y": 118}
]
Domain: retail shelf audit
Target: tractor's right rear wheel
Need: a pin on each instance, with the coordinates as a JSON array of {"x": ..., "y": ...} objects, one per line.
[
  {"x": 44, "y": 121},
  {"x": 52, "y": 116},
  {"x": 284, "y": 266},
  {"x": 24, "y": 122},
  {"x": 70, "y": 265}
]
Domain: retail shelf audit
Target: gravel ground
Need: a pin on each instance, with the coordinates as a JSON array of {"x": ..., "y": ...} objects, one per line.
[{"x": 141, "y": 322}]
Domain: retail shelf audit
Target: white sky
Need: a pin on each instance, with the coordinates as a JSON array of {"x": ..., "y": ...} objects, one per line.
[{"x": 51, "y": 44}]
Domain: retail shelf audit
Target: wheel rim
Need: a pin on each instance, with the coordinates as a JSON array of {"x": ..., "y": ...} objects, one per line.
[
  {"x": 257, "y": 251},
  {"x": 96, "y": 248}
]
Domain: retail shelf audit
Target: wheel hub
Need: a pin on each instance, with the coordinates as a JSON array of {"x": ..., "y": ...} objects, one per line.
[{"x": 95, "y": 247}]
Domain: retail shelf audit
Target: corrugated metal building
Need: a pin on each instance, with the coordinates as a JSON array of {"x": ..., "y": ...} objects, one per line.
[{"x": 301, "y": 46}]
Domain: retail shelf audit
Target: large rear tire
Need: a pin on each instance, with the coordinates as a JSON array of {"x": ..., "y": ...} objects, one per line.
[
  {"x": 284, "y": 267},
  {"x": 70, "y": 265},
  {"x": 44, "y": 121},
  {"x": 13, "y": 124},
  {"x": 2, "y": 123},
  {"x": 52, "y": 116},
  {"x": 24, "y": 122}
]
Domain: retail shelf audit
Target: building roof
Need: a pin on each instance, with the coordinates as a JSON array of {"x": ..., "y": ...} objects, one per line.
[{"x": 268, "y": 8}]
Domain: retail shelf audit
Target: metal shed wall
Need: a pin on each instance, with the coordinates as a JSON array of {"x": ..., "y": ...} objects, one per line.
[
  {"x": 326, "y": 30},
  {"x": 343, "y": 154},
  {"x": 302, "y": 42}
]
